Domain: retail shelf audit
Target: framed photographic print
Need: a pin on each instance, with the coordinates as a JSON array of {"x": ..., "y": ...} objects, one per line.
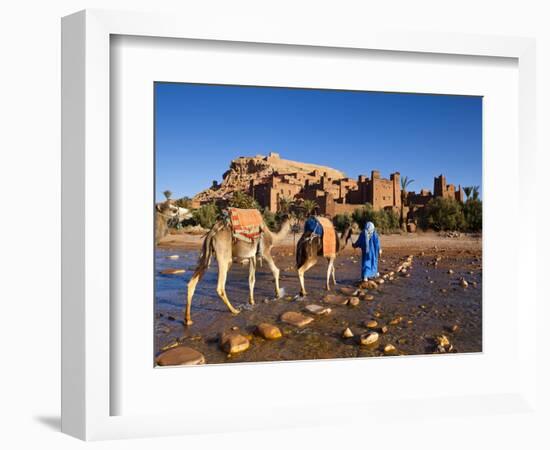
[{"x": 253, "y": 207}]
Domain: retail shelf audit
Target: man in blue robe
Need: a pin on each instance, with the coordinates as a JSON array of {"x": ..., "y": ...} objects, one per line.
[{"x": 369, "y": 243}]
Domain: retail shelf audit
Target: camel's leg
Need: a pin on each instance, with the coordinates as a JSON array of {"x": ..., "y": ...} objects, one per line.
[
  {"x": 190, "y": 291},
  {"x": 223, "y": 268},
  {"x": 275, "y": 271},
  {"x": 301, "y": 271},
  {"x": 252, "y": 277},
  {"x": 333, "y": 274},
  {"x": 330, "y": 270}
]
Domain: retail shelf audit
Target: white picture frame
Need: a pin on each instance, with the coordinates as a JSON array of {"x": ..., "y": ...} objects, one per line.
[{"x": 86, "y": 245}]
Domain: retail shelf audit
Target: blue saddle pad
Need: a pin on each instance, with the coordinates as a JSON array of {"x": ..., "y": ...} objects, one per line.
[{"x": 313, "y": 225}]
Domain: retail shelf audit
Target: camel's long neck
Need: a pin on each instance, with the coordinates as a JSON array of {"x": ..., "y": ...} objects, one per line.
[
  {"x": 343, "y": 239},
  {"x": 282, "y": 233}
]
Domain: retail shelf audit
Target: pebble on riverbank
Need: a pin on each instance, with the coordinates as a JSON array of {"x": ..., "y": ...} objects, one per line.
[
  {"x": 390, "y": 349},
  {"x": 371, "y": 324},
  {"x": 347, "y": 333},
  {"x": 336, "y": 300},
  {"x": 369, "y": 339},
  {"x": 318, "y": 310},
  {"x": 180, "y": 356},
  {"x": 268, "y": 331},
  {"x": 296, "y": 319},
  {"x": 233, "y": 342}
]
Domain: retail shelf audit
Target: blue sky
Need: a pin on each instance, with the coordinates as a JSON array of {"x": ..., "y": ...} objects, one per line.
[{"x": 201, "y": 128}]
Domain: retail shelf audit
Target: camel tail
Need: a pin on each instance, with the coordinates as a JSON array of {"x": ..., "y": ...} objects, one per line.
[{"x": 206, "y": 255}]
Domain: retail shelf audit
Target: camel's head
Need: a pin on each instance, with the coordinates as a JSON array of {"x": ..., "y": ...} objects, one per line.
[
  {"x": 346, "y": 235},
  {"x": 167, "y": 208}
]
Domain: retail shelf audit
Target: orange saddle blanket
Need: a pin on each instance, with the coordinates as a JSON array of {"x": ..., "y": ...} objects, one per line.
[
  {"x": 246, "y": 224},
  {"x": 329, "y": 236}
]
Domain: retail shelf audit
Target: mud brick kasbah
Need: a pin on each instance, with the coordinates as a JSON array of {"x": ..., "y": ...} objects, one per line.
[{"x": 270, "y": 178}]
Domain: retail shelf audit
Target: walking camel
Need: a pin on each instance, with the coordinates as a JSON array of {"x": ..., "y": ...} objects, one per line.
[
  {"x": 219, "y": 242},
  {"x": 309, "y": 247},
  {"x": 164, "y": 212}
]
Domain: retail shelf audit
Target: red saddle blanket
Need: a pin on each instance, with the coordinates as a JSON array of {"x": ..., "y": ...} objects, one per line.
[
  {"x": 246, "y": 224},
  {"x": 329, "y": 237}
]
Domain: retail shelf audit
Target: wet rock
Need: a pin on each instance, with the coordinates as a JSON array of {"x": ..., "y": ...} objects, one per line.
[
  {"x": 370, "y": 284},
  {"x": 180, "y": 356},
  {"x": 296, "y": 319},
  {"x": 380, "y": 280},
  {"x": 234, "y": 328},
  {"x": 354, "y": 301},
  {"x": 173, "y": 256},
  {"x": 318, "y": 310},
  {"x": 377, "y": 314},
  {"x": 336, "y": 299},
  {"x": 443, "y": 290},
  {"x": 369, "y": 339},
  {"x": 268, "y": 331},
  {"x": 450, "y": 271},
  {"x": 172, "y": 271},
  {"x": 233, "y": 342},
  {"x": 371, "y": 323},
  {"x": 390, "y": 349},
  {"x": 384, "y": 329},
  {"x": 349, "y": 291},
  {"x": 347, "y": 333},
  {"x": 396, "y": 321},
  {"x": 463, "y": 283},
  {"x": 443, "y": 344},
  {"x": 454, "y": 328},
  {"x": 368, "y": 297},
  {"x": 443, "y": 341}
]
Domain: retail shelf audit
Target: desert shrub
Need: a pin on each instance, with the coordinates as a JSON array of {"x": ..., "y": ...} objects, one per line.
[
  {"x": 385, "y": 220},
  {"x": 270, "y": 219},
  {"x": 442, "y": 214},
  {"x": 184, "y": 202},
  {"x": 206, "y": 215},
  {"x": 473, "y": 214},
  {"x": 243, "y": 200},
  {"x": 363, "y": 215},
  {"x": 341, "y": 221}
]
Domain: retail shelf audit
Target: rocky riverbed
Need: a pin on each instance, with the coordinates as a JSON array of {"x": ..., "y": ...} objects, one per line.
[{"x": 432, "y": 305}]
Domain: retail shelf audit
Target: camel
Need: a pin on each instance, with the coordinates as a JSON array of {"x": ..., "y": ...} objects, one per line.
[
  {"x": 309, "y": 248},
  {"x": 164, "y": 212},
  {"x": 220, "y": 243}
]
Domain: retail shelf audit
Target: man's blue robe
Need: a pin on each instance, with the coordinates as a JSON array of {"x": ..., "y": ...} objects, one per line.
[{"x": 369, "y": 266}]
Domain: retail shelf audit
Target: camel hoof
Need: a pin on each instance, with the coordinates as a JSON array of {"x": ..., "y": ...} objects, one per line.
[
  {"x": 188, "y": 322},
  {"x": 251, "y": 302},
  {"x": 235, "y": 312}
]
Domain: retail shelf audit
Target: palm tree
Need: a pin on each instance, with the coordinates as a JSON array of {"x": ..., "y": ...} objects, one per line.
[
  {"x": 475, "y": 192},
  {"x": 285, "y": 203},
  {"x": 167, "y": 194},
  {"x": 405, "y": 183},
  {"x": 468, "y": 191},
  {"x": 309, "y": 207}
]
